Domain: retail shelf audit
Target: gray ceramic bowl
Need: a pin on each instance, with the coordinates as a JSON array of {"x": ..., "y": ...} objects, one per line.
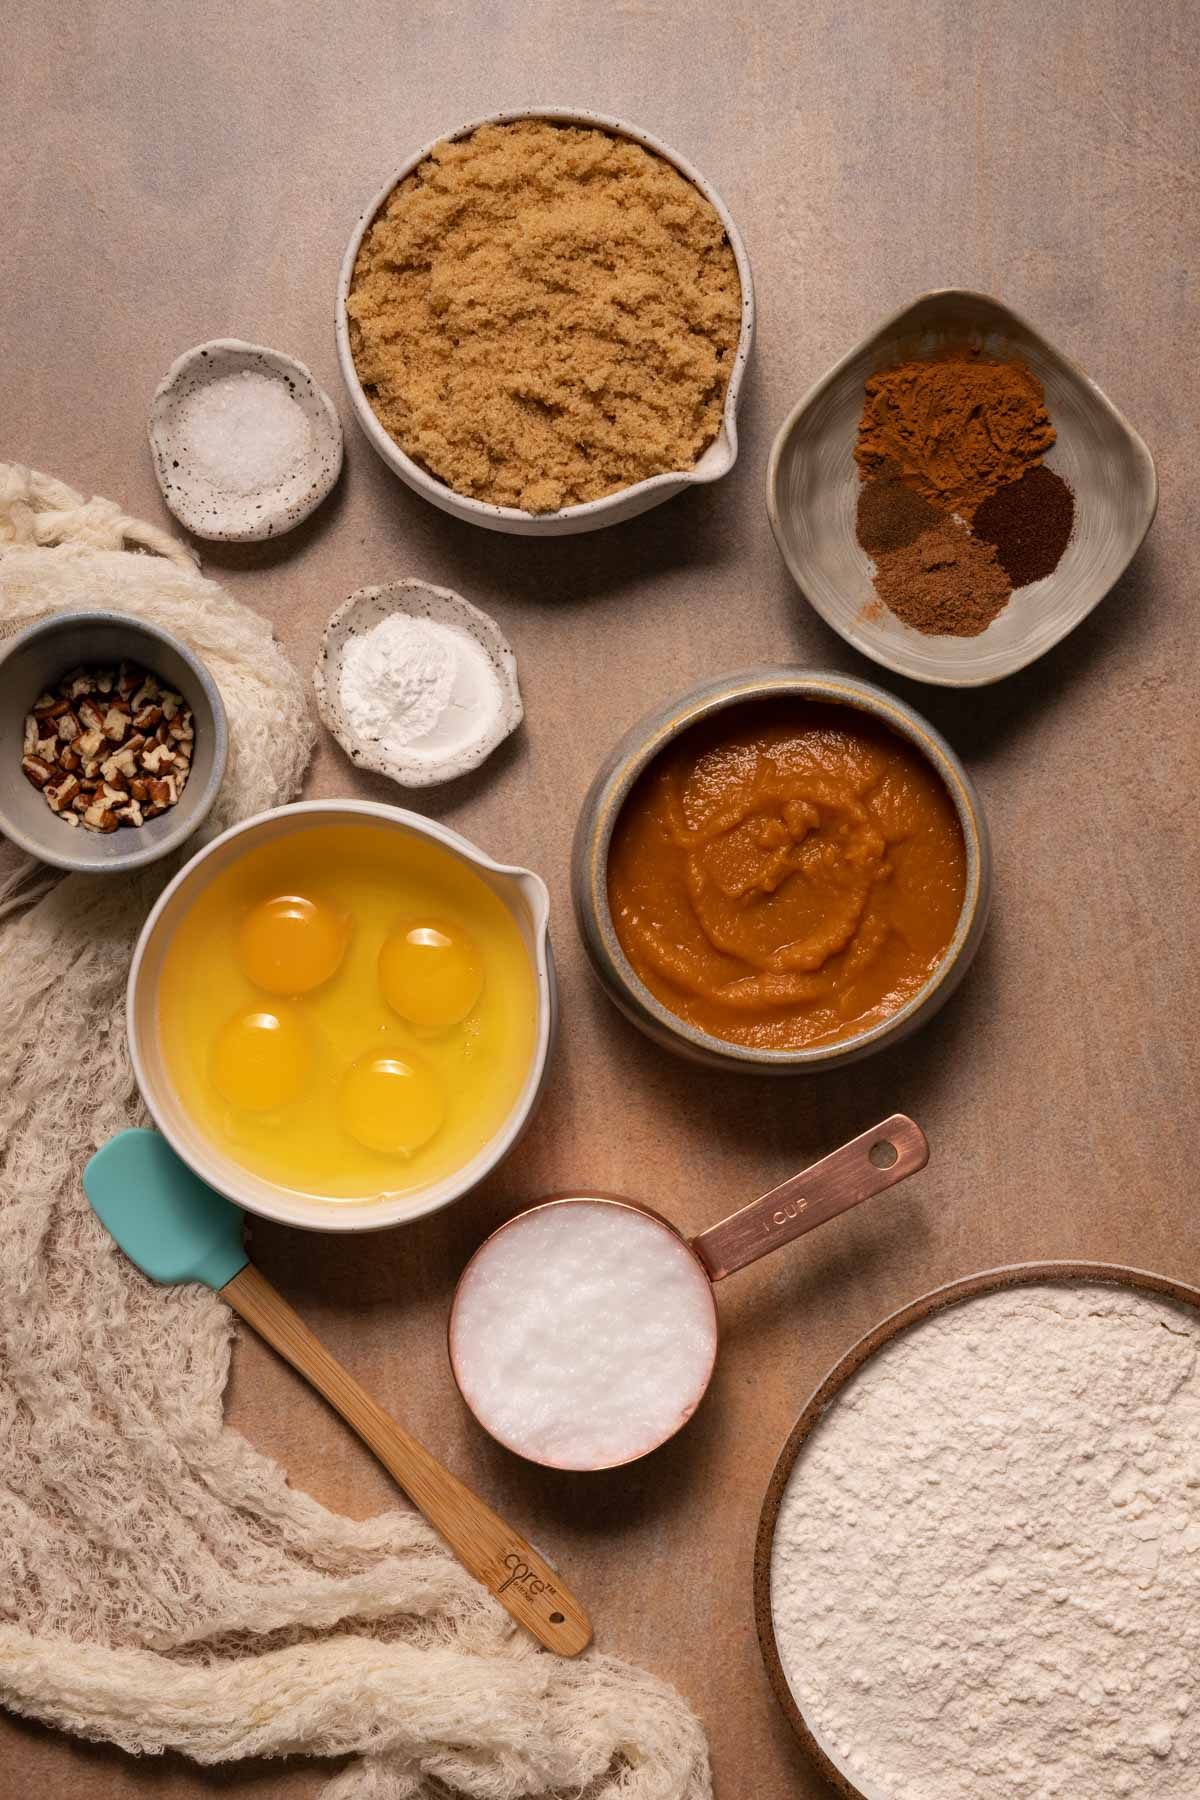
[
  {"x": 39, "y": 656},
  {"x": 608, "y": 793},
  {"x": 626, "y": 503},
  {"x": 812, "y": 496}
]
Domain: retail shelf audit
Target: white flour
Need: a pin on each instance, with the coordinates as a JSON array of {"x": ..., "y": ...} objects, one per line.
[{"x": 986, "y": 1577}]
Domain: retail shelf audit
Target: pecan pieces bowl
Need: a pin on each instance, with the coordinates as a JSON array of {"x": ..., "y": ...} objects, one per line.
[{"x": 112, "y": 741}]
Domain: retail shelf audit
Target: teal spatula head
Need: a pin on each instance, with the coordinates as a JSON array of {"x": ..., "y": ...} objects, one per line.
[{"x": 166, "y": 1220}]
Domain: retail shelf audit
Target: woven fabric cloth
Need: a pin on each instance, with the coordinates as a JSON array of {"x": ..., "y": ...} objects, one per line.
[{"x": 161, "y": 1585}]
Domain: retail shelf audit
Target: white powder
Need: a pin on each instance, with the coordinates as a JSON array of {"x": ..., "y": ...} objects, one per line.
[
  {"x": 397, "y": 679},
  {"x": 243, "y": 432},
  {"x": 584, "y": 1334},
  {"x": 986, "y": 1575}
]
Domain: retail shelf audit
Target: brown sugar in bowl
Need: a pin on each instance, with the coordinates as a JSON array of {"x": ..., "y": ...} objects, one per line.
[
  {"x": 642, "y": 1001},
  {"x": 714, "y": 461}
]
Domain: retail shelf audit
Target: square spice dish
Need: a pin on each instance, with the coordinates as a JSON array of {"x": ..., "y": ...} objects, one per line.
[{"x": 814, "y": 491}]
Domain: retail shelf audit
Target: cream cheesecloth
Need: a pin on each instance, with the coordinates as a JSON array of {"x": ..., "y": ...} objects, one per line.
[{"x": 161, "y": 1585}]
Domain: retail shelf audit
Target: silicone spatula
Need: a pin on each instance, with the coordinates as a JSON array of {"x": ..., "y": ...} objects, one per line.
[{"x": 176, "y": 1228}]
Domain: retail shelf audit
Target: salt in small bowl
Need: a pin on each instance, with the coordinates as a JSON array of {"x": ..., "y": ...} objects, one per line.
[
  {"x": 210, "y": 511},
  {"x": 470, "y": 731}
]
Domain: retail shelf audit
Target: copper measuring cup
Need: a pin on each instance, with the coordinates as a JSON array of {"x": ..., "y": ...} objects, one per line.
[{"x": 868, "y": 1165}]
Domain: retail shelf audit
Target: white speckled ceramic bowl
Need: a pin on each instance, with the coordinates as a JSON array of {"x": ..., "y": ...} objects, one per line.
[
  {"x": 526, "y": 898},
  {"x": 38, "y": 656},
  {"x": 213, "y": 512},
  {"x": 812, "y": 496},
  {"x": 485, "y": 704},
  {"x": 716, "y": 461},
  {"x": 638, "y": 749}
]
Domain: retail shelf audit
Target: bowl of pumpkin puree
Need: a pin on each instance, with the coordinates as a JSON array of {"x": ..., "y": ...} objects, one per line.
[{"x": 783, "y": 870}]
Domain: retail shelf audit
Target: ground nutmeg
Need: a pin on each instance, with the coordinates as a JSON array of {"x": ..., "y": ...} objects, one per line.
[{"x": 947, "y": 582}]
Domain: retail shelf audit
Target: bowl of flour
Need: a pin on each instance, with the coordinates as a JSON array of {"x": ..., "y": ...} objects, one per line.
[{"x": 977, "y": 1574}]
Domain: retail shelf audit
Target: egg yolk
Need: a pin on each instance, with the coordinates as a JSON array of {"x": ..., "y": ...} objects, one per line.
[
  {"x": 431, "y": 974},
  {"x": 290, "y": 944},
  {"x": 391, "y": 1103},
  {"x": 260, "y": 1060}
]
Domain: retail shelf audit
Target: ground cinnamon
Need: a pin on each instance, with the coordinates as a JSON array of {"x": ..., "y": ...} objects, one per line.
[
  {"x": 958, "y": 427},
  {"x": 946, "y": 582}
]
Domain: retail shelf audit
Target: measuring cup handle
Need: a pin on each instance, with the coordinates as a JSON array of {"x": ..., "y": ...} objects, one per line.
[{"x": 866, "y": 1166}]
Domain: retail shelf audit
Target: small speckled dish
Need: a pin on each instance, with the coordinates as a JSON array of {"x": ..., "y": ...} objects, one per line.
[
  {"x": 213, "y": 512},
  {"x": 812, "y": 1729},
  {"x": 610, "y": 790},
  {"x": 626, "y": 503},
  {"x": 486, "y": 685},
  {"x": 812, "y": 496},
  {"x": 37, "y": 657}
]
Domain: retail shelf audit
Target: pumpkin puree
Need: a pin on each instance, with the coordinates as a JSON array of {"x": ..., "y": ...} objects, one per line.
[{"x": 786, "y": 876}]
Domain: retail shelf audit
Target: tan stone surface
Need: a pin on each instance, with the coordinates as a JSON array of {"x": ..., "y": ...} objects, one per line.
[{"x": 173, "y": 172}]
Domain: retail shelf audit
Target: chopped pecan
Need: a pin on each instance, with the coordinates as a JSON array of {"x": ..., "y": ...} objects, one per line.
[
  {"x": 36, "y": 770},
  {"x": 100, "y": 817},
  {"x": 68, "y": 727},
  {"x": 62, "y": 793},
  {"x": 91, "y": 716},
  {"x": 121, "y": 762},
  {"x": 158, "y": 755}
]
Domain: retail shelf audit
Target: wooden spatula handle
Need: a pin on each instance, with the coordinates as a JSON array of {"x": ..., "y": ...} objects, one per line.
[{"x": 493, "y": 1552}]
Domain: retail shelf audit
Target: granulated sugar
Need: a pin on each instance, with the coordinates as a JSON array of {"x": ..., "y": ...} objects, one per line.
[
  {"x": 243, "y": 432},
  {"x": 986, "y": 1575},
  {"x": 584, "y": 1334}
]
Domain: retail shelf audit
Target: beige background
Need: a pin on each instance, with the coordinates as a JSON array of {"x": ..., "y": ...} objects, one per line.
[{"x": 173, "y": 171}]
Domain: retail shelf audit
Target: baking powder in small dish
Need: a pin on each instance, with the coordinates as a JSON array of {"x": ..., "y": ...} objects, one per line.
[
  {"x": 985, "y": 1581},
  {"x": 416, "y": 682},
  {"x": 399, "y": 678}
]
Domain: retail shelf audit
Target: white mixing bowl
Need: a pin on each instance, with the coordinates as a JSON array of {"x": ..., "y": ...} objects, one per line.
[
  {"x": 590, "y": 515},
  {"x": 524, "y": 894}
]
